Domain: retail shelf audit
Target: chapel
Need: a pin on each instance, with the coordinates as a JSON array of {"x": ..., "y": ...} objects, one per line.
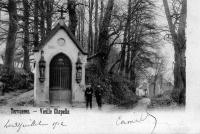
[{"x": 59, "y": 76}]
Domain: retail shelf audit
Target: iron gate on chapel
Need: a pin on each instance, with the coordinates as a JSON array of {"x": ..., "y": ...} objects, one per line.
[{"x": 60, "y": 80}]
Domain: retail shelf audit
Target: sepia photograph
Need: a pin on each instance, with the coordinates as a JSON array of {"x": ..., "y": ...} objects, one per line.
[{"x": 95, "y": 66}]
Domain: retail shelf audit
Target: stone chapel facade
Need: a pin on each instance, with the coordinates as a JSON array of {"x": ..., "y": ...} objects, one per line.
[{"x": 59, "y": 69}]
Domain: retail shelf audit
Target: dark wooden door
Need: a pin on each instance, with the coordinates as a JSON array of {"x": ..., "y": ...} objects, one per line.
[{"x": 60, "y": 80}]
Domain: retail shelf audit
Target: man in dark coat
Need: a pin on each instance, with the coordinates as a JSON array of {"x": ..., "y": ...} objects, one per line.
[
  {"x": 98, "y": 95},
  {"x": 88, "y": 96}
]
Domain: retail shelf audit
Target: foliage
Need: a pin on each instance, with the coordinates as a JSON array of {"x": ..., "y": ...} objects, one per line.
[
  {"x": 164, "y": 100},
  {"x": 116, "y": 89},
  {"x": 25, "y": 102},
  {"x": 178, "y": 96},
  {"x": 16, "y": 80},
  {"x": 168, "y": 98}
]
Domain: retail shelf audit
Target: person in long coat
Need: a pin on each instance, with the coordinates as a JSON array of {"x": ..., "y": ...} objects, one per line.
[
  {"x": 98, "y": 95},
  {"x": 88, "y": 96}
]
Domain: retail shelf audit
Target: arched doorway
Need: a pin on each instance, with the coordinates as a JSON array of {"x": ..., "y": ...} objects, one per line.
[{"x": 60, "y": 80}]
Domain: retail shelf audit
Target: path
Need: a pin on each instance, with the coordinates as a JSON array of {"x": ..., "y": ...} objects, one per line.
[
  {"x": 142, "y": 104},
  {"x": 25, "y": 99}
]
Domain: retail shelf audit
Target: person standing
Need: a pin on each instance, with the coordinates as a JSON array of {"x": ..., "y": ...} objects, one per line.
[
  {"x": 88, "y": 96},
  {"x": 98, "y": 95}
]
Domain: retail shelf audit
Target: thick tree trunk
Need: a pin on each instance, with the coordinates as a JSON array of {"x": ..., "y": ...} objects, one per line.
[
  {"x": 103, "y": 36},
  {"x": 12, "y": 31},
  {"x": 26, "y": 65},
  {"x": 180, "y": 74},
  {"x": 72, "y": 16},
  {"x": 179, "y": 42}
]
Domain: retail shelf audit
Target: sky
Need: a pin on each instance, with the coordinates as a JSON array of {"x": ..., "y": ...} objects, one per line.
[{"x": 167, "y": 48}]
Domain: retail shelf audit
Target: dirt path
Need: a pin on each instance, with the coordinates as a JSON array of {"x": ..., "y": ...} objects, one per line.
[
  {"x": 142, "y": 104},
  {"x": 26, "y": 99},
  {"x": 15, "y": 98}
]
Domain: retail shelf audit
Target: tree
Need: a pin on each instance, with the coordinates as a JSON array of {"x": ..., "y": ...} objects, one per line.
[
  {"x": 126, "y": 30},
  {"x": 177, "y": 32},
  {"x": 26, "y": 36},
  {"x": 101, "y": 14},
  {"x": 12, "y": 31},
  {"x": 71, "y": 6},
  {"x": 82, "y": 23},
  {"x": 42, "y": 19},
  {"x": 96, "y": 26},
  {"x": 159, "y": 69},
  {"x": 104, "y": 36},
  {"x": 49, "y": 13},
  {"x": 35, "y": 25},
  {"x": 90, "y": 31}
]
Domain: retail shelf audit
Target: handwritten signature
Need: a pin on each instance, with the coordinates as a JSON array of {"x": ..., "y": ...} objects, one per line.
[
  {"x": 136, "y": 119},
  {"x": 33, "y": 123}
]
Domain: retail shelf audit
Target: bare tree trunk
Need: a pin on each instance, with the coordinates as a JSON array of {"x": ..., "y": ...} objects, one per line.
[
  {"x": 124, "y": 67},
  {"x": 82, "y": 23},
  {"x": 103, "y": 36},
  {"x": 180, "y": 74},
  {"x": 90, "y": 31},
  {"x": 49, "y": 12},
  {"x": 26, "y": 65},
  {"x": 96, "y": 26},
  {"x": 36, "y": 22},
  {"x": 12, "y": 31},
  {"x": 72, "y": 15},
  {"x": 128, "y": 58},
  {"x": 127, "y": 68},
  {"x": 154, "y": 84},
  {"x": 133, "y": 76},
  {"x": 101, "y": 14},
  {"x": 122, "y": 62},
  {"x": 42, "y": 20},
  {"x": 78, "y": 34},
  {"x": 179, "y": 42}
]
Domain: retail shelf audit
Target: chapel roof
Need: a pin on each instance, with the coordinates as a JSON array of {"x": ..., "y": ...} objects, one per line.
[{"x": 62, "y": 25}]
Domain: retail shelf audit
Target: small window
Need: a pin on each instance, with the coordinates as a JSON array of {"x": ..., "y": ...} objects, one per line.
[{"x": 61, "y": 41}]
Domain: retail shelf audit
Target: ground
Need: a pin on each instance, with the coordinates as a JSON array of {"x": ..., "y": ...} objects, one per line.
[
  {"x": 87, "y": 118},
  {"x": 18, "y": 98}
]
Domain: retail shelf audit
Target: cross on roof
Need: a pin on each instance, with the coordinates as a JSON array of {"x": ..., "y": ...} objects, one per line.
[{"x": 62, "y": 10}]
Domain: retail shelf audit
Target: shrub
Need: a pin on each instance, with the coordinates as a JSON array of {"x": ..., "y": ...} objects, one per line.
[
  {"x": 178, "y": 96},
  {"x": 117, "y": 90},
  {"x": 14, "y": 80},
  {"x": 162, "y": 100}
]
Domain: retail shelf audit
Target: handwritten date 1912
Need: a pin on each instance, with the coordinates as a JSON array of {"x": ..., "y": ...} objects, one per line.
[{"x": 32, "y": 123}]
